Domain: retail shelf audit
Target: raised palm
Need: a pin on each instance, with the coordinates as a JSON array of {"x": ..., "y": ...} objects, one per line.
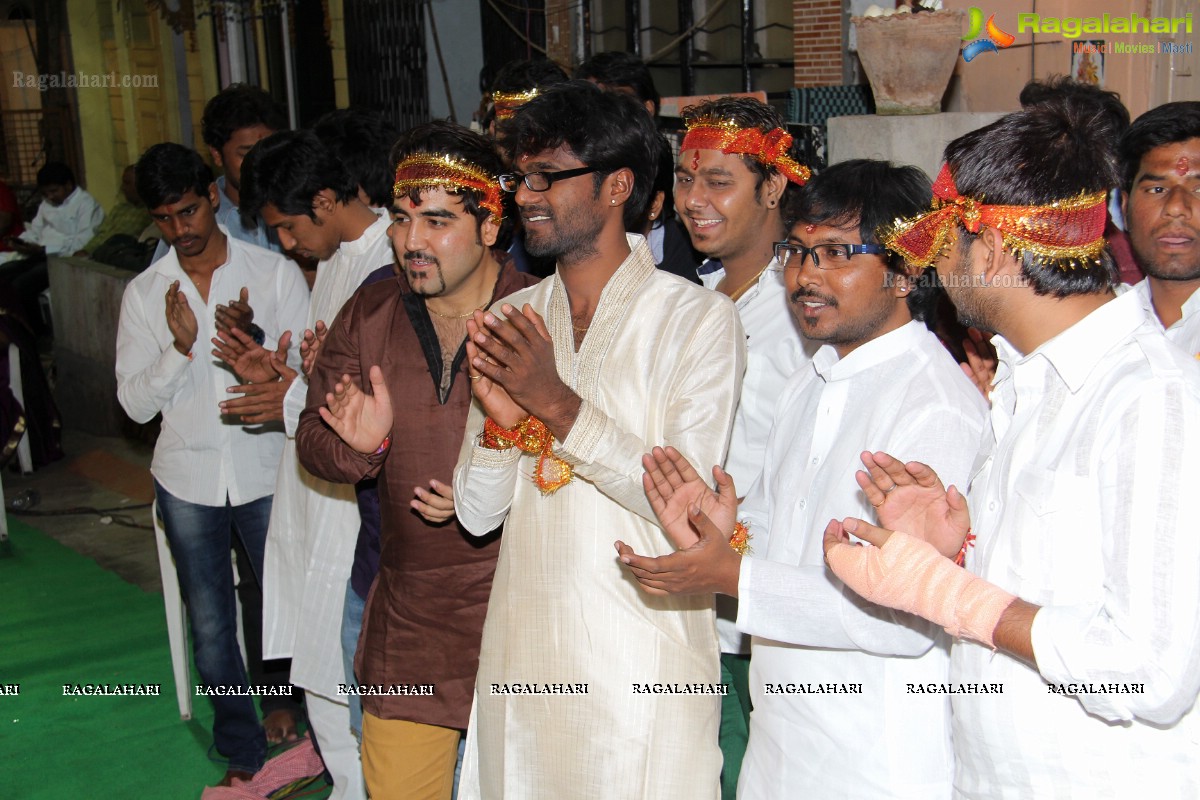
[
  {"x": 672, "y": 485},
  {"x": 911, "y": 498}
]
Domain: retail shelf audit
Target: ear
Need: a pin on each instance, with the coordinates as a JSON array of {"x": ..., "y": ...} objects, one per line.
[
  {"x": 773, "y": 188},
  {"x": 656, "y": 205},
  {"x": 489, "y": 231},
  {"x": 216, "y": 157},
  {"x": 999, "y": 261},
  {"x": 902, "y": 285},
  {"x": 620, "y": 186},
  {"x": 214, "y": 196},
  {"x": 324, "y": 202},
  {"x": 1125, "y": 207}
]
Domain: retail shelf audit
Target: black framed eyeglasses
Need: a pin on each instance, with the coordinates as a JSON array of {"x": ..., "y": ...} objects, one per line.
[
  {"x": 824, "y": 256},
  {"x": 540, "y": 181}
]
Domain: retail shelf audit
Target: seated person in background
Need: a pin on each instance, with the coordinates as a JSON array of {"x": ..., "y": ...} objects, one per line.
[
  {"x": 11, "y": 225},
  {"x": 128, "y": 216},
  {"x": 67, "y": 217}
]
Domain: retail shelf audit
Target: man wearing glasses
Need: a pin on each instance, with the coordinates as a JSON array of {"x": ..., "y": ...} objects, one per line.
[
  {"x": 734, "y": 175},
  {"x": 587, "y": 687},
  {"x": 829, "y": 672}
]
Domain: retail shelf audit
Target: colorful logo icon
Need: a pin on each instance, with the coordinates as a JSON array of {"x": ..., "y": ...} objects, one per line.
[{"x": 995, "y": 41}]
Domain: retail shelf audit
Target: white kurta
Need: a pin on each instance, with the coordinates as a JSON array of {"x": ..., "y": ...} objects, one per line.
[
  {"x": 314, "y": 523},
  {"x": 901, "y": 393},
  {"x": 1083, "y": 506},
  {"x": 67, "y": 227},
  {"x": 1186, "y": 330},
  {"x": 775, "y": 350},
  {"x": 661, "y": 364}
]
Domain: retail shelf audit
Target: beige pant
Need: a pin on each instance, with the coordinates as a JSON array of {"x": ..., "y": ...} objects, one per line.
[{"x": 405, "y": 760}]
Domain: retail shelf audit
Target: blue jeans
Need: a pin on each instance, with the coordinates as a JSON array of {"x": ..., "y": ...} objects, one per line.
[
  {"x": 200, "y": 543},
  {"x": 352, "y": 620}
]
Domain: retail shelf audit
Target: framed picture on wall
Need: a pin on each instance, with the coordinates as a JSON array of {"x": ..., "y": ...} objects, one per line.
[{"x": 1087, "y": 61}]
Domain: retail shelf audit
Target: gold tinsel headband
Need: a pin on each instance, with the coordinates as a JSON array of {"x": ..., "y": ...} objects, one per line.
[
  {"x": 426, "y": 170},
  {"x": 769, "y": 148},
  {"x": 1070, "y": 230},
  {"x": 507, "y": 103}
]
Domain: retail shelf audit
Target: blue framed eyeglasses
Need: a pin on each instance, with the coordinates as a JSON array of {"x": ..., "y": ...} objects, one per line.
[{"x": 824, "y": 256}]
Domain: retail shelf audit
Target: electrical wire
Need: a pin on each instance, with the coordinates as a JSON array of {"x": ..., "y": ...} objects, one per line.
[
  {"x": 115, "y": 515},
  {"x": 663, "y": 51}
]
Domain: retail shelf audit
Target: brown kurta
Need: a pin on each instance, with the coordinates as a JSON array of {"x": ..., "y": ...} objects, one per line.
[{"x": 424, "y": 615}]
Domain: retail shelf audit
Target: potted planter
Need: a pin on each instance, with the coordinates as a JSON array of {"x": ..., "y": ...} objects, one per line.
[{"x": 909, "y": 59}]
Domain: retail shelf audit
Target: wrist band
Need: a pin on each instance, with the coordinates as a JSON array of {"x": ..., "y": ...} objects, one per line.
[
  {"x": 969, "y": 541},
  {"x": 387, "y": 442},
  {"x": 740, "y": 541},
  {"x": 530, "y": 435}
]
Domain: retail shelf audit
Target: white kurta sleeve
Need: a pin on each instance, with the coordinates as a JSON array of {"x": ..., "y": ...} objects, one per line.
[
  {"x": 87, "y": 219},
  {"x": 148, "y": 376},
  {"x": 484, "y": 479},
  {"x": 1146, "y": 629},
  {"x": 698, "y": 422}
]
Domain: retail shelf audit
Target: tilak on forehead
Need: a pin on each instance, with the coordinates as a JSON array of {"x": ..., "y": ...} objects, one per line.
[
  {"x": 1181, "y": 166},
  {"x": 766, "y": 147},
  {"x": 430, "y": 170}
]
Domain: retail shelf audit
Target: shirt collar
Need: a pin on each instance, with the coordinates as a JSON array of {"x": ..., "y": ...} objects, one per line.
[
  {"x": 1190, "y": 307},
  {"x": 1075, "y": 352},
  {"x": 368, "y": 238},
  {"x": 902, "y": 342}
]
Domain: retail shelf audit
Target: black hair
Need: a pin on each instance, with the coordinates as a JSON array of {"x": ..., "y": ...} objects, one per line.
[
  {"x": 446, "y": 138},
  {"x": 605, "y": 130},
  {"x": 168, "y": 171},
  {"x": 526, "y": 74},
  {"x": 239, "y": 106},
  {"x": 362, "y": 139},
  {"x": 616, "y": 69},
  {"x": 745, "y": 112},
  {"x": 287, "y": 169},
  {"x": 664, "y": 181},
  {"x": 1110, "y": 103},
  {"x": 1053, "y": 150},
  {"x": 874, "y": 194},
  {"x": 1170, "y": 123},
  {"x": 55, "y": 173}
]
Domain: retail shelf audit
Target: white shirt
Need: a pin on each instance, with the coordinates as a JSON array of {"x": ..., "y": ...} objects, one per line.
[
  {"x": 201, "y": 456},
  {"x": 1186, "y": 330},
  {"x": 1083, "y": 506},
  {"x": 775, "y": 350},
  {"x": 314, "y": 523},
  {"x": 67, "y": 227},
  {"x": 901, "y": 393}
]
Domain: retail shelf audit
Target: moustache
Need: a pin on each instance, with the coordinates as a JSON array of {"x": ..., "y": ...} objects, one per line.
[
  {"x": 802, "y": 294},
  {"x": 417, "y": 255}
]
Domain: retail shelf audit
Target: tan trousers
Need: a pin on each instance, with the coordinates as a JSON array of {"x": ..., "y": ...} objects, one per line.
[{"x": 405, "y": 760}]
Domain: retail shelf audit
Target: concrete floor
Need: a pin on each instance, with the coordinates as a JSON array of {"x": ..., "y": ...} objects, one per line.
[{"x": 97, "y": 473}]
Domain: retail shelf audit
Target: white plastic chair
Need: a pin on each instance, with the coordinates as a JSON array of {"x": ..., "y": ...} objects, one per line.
[{"x": 177, "y": 627}]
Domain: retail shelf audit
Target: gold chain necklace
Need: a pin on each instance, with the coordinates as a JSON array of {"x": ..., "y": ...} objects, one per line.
[
  {"x": 453, "y": 316},
  {"x": 742, "y": 289}
]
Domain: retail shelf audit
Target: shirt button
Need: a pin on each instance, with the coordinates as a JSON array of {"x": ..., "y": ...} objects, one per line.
[
  {"x": 816, "y": 460},
  {"x": 801, "y": 504},
  {"x": 992, "y": 506}
]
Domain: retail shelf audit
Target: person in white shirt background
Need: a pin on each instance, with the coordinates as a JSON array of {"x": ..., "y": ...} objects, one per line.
[
  {"x": 306, "y": 195},
  {"x": 1080, "y": 598},
  {"x": 882, "y": 380},
  {"x": 213, "y": 473},
  {"x": 730, "y": 189},
  {"x": 1160, "y": 161}
]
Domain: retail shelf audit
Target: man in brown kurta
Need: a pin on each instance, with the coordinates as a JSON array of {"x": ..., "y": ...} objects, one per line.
[{"x": 419, "y": 649}]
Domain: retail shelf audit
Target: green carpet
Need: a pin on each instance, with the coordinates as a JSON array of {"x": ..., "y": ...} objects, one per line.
[{"x": 65, "y": 620}]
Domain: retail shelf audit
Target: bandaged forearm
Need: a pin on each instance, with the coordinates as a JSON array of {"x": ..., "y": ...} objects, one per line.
[{"x": 910, "y": 575}]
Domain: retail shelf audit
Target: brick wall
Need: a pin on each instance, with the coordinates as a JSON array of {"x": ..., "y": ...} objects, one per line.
[{"x": 817, "y": 42}]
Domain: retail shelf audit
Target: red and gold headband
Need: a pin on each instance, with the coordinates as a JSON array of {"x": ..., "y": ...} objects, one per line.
[
  {"x": 426, "y": 170},
  {"x": 1070, "y": 231},
  {"x": 769, "y": 148},
  {"x": 507, "y": 103}
]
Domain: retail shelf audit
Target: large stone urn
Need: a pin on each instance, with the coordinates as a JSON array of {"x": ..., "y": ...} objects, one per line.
[{"x": 909, "y": 59}]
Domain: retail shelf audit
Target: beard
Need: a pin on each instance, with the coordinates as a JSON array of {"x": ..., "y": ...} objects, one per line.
[
  {"x": 432, "y": 283},
  {"x": 972, "y": 303},
  {"x": 572, "y": 236}
]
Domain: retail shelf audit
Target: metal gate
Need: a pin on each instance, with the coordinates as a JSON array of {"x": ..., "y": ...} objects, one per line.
[{"x": 385, "y": 58}]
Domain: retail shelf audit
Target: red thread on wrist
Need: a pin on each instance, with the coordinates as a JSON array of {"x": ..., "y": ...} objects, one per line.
[{"x": 969, "y": 541}]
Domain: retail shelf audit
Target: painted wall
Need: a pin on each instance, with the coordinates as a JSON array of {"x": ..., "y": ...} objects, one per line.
[{"x": 461, "y": 35}]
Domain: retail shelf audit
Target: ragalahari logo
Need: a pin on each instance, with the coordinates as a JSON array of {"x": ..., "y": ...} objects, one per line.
[{"x": 995, "y": 41}]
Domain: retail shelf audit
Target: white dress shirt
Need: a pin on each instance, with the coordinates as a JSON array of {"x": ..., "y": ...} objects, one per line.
[
  {"x": 67, "y": 227},
  {"x": 314, "y": 523},
  {"x": 1081, "y": 506},
  {"x": 201, "y": 456},
  {"x": 901, "y": 393},
  {"x": 775, "y": 350},
  {"x": 1186, "y": 330}
]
